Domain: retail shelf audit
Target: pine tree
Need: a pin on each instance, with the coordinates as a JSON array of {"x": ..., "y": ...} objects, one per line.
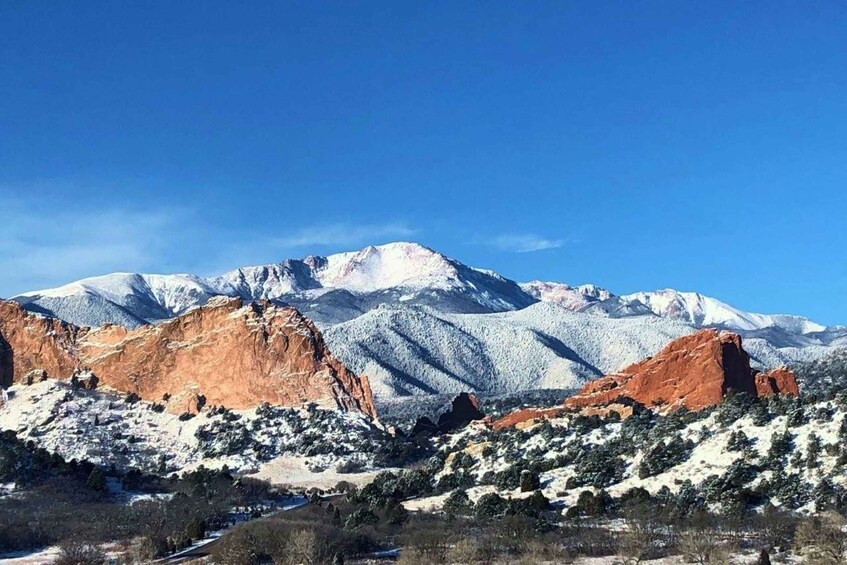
[
  {"x": 96, "y": 480},
  {"x": 336, "y": 517},
  {"x": 529, "y": 481},
  {"x": 813, "y": 450}
]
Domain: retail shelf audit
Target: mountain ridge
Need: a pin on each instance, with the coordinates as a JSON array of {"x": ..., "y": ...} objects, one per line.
[
  {"x": 418, "y": 322},
  {"x": 400, "y": 272}
]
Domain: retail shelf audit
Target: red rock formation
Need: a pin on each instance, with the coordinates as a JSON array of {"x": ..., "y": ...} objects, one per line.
[
  {"x": 29, "y": 342},
  {"x": 777, "y": 381},
  {"x": 224, "y": 353},
  {"x": 526, "y": 417},
  {"x": 694, "y": 371}
]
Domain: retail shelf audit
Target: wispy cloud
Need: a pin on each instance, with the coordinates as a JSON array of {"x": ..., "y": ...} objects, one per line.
[
  {"x": 43, "y": 245},
  {"x": 342, "y": 235},
  {"x": 525, "y": 243},
  {"x": 42, "y": 249}
]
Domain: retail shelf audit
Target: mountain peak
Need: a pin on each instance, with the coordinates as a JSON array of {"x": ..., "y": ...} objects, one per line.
[
  {"x": 572, "y": 298},
  {"x": 341, "y": 286},
  {"x": 387, "y": 266}
]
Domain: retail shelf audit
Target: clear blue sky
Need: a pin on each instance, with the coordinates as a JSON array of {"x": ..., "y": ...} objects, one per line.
[{"x": 636, "y": 145}]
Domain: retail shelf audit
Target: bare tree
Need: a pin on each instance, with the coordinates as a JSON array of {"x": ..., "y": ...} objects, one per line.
[
  {"x": 302, "y": 547},
  {"x": 79, "y": 553},
  {"x": 701, "y": 541},
  {"x": 642, "y": 537},
  {"x": 822, "y": 538}
]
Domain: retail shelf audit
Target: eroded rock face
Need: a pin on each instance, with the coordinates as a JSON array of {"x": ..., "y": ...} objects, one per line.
[
  {"x": 694, "y": 371},
  {"x": 224, "y": 353},
  {"x": 777, "y": 381},
  {"x": 32, "y": 343}
]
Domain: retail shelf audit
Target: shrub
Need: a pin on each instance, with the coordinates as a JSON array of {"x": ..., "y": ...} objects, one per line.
[
  {"x": 361, "y": 517},
  {"x": 96, "y": 480},
  {"x": 822, "y": 539},
  {"x": 490, "y": 505},
  {"x": 350, "y": 466},
  {"x": 458, "y": 503},
  {"x": 529, "y": 481},
  {"x": 80, "y": 553},
  {"x": 664, "y": 455}
]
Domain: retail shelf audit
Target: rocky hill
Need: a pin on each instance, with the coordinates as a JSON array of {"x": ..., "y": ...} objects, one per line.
[
  {"x": 694, "y": 372},
  {"x": 225, "y": 353}
]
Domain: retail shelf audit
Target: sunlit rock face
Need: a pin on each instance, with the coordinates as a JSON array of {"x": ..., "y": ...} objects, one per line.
[{"x": 224, "y": 353}]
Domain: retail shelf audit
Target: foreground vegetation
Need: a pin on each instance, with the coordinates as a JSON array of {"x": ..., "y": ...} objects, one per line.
[
  {"x": 581, "y": 486},
  {"x": 57, "y": 502}
]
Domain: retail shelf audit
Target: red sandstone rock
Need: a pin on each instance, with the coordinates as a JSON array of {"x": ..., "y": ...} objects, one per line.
[
  {"x": 526, "y": 417},
  {"x": 225, "y": 353},
  {"x": 777, "y": 381},
  {"x": 694, "y": 371}
]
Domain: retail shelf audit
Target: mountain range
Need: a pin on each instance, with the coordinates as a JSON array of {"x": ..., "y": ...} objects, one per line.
[{"x": 420, "y": 322}]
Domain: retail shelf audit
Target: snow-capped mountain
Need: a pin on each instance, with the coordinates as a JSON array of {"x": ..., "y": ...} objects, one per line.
[
  {"x": 699, "y": 310},
  {"x": 343, "y": 286},
  {"x": 572, "y": 298},
  {"x": 417, "y": 321},
  {"x": 412, "y": 350},
  {"x": 329, "y": 289},
  {"x": 128, "y": 299}
]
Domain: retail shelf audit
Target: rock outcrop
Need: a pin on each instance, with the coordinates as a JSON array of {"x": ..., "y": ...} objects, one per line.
[
  {"x": 464, "y": 410},
  {"x": 777, "y": 381},
  {"x": 225, "y": 353},
  {"x": 694, "y": 372}
]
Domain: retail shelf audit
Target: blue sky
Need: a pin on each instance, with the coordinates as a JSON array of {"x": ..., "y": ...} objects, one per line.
[{"x": 636, "y": 145}]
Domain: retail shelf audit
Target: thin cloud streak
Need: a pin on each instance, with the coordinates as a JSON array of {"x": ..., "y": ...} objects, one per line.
[
  {"x": 42, "y": 250},
  {"x": 44, "y": 247},
  {"x": 525, "y": 243}
]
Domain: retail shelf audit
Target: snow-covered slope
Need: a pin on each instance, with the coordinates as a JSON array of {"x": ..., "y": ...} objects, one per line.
[
  {"x": 420, "y": 351},
  {"x": 417, "y": 321},
  {"x": 101, "y": 426},
  {"x": 124, "y": 298},
  {"x": 572, "y": 298},
  {"x": 699, "y": 310},
  {"x": 719, "y": 456}
]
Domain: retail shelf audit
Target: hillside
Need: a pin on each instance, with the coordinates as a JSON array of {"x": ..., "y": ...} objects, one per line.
[{"x": 420, "y": 351}]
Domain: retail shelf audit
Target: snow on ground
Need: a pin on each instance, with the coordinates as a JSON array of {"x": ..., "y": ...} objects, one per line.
[
  {"x": 41, "y": 557},
  {"x": 409, "y": 350},
  {"x": 742, "y": 558},
  {"x": 710, "y": 455},
  {"x": 102, "y": 427},
  {"x": 419, "y": 350},
  {"x": 295, "y": 472}
]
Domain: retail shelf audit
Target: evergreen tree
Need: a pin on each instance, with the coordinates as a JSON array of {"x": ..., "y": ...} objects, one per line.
[
  {"x": 738, "y": 441},
  {"x": 813, "y": 450},
  {"x": 96, "y": 480},
  {"x": 336, "y": 517},
  {"x": 529, "y": 481}
]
